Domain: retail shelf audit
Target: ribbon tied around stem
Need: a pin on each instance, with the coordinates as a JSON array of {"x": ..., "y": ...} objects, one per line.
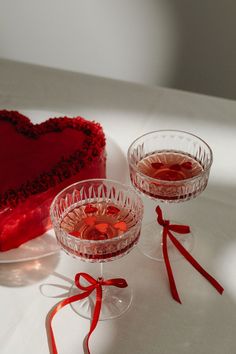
[
  {"x": 180, "y": 229},
  {"x": 93, "y": 285}
]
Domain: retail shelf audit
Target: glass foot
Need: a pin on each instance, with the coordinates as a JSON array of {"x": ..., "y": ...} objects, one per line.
[
  {"x": 115, "y": 301},
  {"x": 150, "y": 243}
]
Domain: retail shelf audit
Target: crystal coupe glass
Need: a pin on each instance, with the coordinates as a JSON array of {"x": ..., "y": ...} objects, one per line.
[
  {"x": 169, "y": 166},
  {"x": 98, "y": 220}
]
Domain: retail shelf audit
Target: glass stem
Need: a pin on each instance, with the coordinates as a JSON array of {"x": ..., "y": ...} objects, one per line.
[
  {"x": 169, "y": 211},
  {"x": 101, "y": 270}
]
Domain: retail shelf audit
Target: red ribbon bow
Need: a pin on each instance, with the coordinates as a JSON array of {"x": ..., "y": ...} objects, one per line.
[
  {"x": 181, "y": 229},
  {"x": 94, "y": 285}
]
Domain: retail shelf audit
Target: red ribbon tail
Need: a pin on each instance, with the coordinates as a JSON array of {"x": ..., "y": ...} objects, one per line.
[
  {"x": 52, "y": 313},
  {"x": 173, "y": 288},
  {"x": 96, "y": 314},
  {"x": 195, "y": 264},
  {"x": 94, "y": 285}
]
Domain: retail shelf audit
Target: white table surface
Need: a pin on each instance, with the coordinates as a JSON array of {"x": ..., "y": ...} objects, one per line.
[{"x": 205, "y": 322}]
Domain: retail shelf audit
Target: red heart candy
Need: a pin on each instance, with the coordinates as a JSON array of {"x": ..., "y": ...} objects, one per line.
[
  {"x": 90, "y": 220},
  {"x": 112, "y": 210},
  {"x": 37, "y": 161},
  {"x": 187, "y": 165},
  {"x": 121, "y": 225},
  {"x": 102, "y": 228},
  {"x": 90, "y": 209},
  {"x": 157, "y": 165}
]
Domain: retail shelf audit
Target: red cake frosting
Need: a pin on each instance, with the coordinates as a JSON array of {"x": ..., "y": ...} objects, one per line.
[{"x": 37, "y": 161}]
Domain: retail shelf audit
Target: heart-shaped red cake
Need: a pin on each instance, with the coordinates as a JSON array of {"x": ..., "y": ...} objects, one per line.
[{"x": 37, "y": 161}]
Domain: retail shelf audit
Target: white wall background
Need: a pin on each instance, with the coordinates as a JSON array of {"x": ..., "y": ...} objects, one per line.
[{"x": 185, "y": 44}]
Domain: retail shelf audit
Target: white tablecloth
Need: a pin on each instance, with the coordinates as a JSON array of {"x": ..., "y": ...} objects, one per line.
[{"x": 205, "y": 322}]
